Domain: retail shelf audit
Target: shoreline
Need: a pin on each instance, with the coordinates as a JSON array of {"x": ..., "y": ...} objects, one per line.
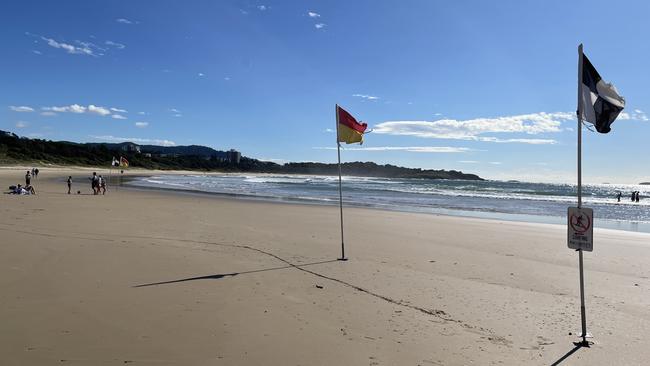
[
  {"x": 134, "y": 174},
  {"x": 604, "y": 224}
]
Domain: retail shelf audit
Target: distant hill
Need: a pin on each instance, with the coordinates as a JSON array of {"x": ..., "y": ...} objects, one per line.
[
  {"x": 155, "y": 149},
  {"x": 15, "y": 149},
  {"x": 369, "y": 169}
]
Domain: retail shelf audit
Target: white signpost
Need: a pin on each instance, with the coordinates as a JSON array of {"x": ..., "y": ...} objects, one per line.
[{"x": 580, "y": 228}]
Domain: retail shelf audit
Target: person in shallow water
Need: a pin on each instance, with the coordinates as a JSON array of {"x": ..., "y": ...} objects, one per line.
[
  {"x": 637, "y": 196},
  {"x": 618, "y": 196}
]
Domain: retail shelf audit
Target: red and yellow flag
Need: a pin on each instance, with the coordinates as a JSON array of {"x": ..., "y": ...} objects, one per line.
[
  {"x": 123, "y": 162},
  {"x": 348, "y": 129}
]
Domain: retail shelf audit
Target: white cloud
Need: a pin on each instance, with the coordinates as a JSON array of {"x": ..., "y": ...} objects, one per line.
[
  {"x": 123, "y": 21},
  {"x": 226, "y": 78},
  {"x": 98, "y": 110},
  {"x": 420, "y": 149},
  {"x": 262, "y": 7},
  {"x": 115, "y": 44},
  {"x": 329, "y": 130},
  {"x": 637, "y": 115},
  {"x": 85, "y": 48},
  {"x": 178, "y": 115},
  {"x": 73, "y": 108},
  {"x": 495, "y": 163},
  {"x": 174, "y": 110},
  {"x": 48, "y": 114},
  {"x": 141, "y": 124},
  {"x": 21, "y": 124},
  {"x": 366, "y": 96},
  {"x": 21, "y": 108},
  {"x": 468, "y": 161},
  {"x": 201, "y": 74},
  {"x": 137, "y": 140},
  {"x": 313, "y": 14},
  {"x": 142, "y": 113},
  {"x": 118, "y": 110},
  {"x": 320, "y": 25},
  {"x": 118, "y": 116},
  {"x": 522, "y": 141},
  {"x": 530, "y": 124},
  {"x": 78, "y": 109},
  {"x": 37, "y": 52}
]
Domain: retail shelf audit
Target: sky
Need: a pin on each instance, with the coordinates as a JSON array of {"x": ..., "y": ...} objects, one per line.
[{"x": 485, "y": 87}]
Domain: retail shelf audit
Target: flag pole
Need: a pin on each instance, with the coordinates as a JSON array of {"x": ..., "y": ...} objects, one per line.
[
  {"x": 583, "y": 315},
  {"x": 338, "y": 149}
]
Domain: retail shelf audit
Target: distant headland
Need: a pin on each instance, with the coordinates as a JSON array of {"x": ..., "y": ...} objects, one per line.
[{"x": 15, "y": 149}]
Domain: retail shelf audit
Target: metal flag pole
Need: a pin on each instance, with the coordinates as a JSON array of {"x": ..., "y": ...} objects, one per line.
[
  {"x": 338, "y": 149},
  {"x": 582, "y": 277}
]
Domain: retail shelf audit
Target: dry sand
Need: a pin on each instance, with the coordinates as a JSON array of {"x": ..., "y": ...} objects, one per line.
[{"x": 418, "y": 289}]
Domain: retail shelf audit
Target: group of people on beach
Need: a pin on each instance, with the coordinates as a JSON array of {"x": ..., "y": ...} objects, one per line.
[
  {"x": 97, "y": 183},
  {"x": 634, "y": 197},
  {"x": 28, "y": 188}
]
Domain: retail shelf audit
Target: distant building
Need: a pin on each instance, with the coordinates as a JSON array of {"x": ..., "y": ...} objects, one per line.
[
  {"x": 233, "y": 156},
  {"x": 130, "y": 147}
]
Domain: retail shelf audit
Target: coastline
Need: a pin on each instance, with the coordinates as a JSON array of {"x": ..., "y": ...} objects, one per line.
[
  {"x": 607, "y": 224},
  {"x": 258, "y": 283}
]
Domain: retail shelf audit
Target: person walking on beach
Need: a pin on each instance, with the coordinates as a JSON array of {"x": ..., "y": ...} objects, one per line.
[
  {"x": 35, "y": 173},
  {"x": 637, "y": 196},
  {"x": 618, "y": 196},
  {"x": 28, "y": 178},
  {"x": 102, "y": 185},
  {"x": 69, "y": 183},
  {"x": 633, "y": 195}
]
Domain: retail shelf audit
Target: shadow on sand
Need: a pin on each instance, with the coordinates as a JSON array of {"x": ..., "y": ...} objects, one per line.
[
  {"x": 223, "y": 275},
  {"x": 577, "y": 345}
]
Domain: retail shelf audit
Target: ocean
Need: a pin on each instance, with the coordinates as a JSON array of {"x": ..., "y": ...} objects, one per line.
[{"x": 511, "y": 200}]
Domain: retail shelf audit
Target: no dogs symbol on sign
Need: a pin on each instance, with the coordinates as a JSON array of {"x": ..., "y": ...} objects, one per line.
[{"x": 581, "y": 228}]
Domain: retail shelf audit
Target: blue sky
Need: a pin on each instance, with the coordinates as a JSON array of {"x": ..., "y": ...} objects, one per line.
[{"x": 477, "y": 86}]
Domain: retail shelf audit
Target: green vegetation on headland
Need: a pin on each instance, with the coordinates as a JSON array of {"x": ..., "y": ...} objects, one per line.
[{"x": 21, "y": 150}]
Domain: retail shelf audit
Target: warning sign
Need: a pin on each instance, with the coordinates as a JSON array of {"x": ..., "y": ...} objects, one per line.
[{"x": 581, "y": 228}]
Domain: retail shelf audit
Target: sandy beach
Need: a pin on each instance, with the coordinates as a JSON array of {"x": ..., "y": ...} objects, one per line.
[{"x": 149, "y": 277}]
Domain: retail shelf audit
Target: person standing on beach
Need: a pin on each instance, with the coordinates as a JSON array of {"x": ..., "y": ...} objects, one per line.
[
  {"x": 633, "y": 195},
  {"x": 618, "y": 196},
  {"x": 94, "y": 183},
  {"x": 637, "y": 196},
  {"x": 28, "y": 178},
  {"x": 35, "y": 173},
  {"x": 69, "y": 183}
]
